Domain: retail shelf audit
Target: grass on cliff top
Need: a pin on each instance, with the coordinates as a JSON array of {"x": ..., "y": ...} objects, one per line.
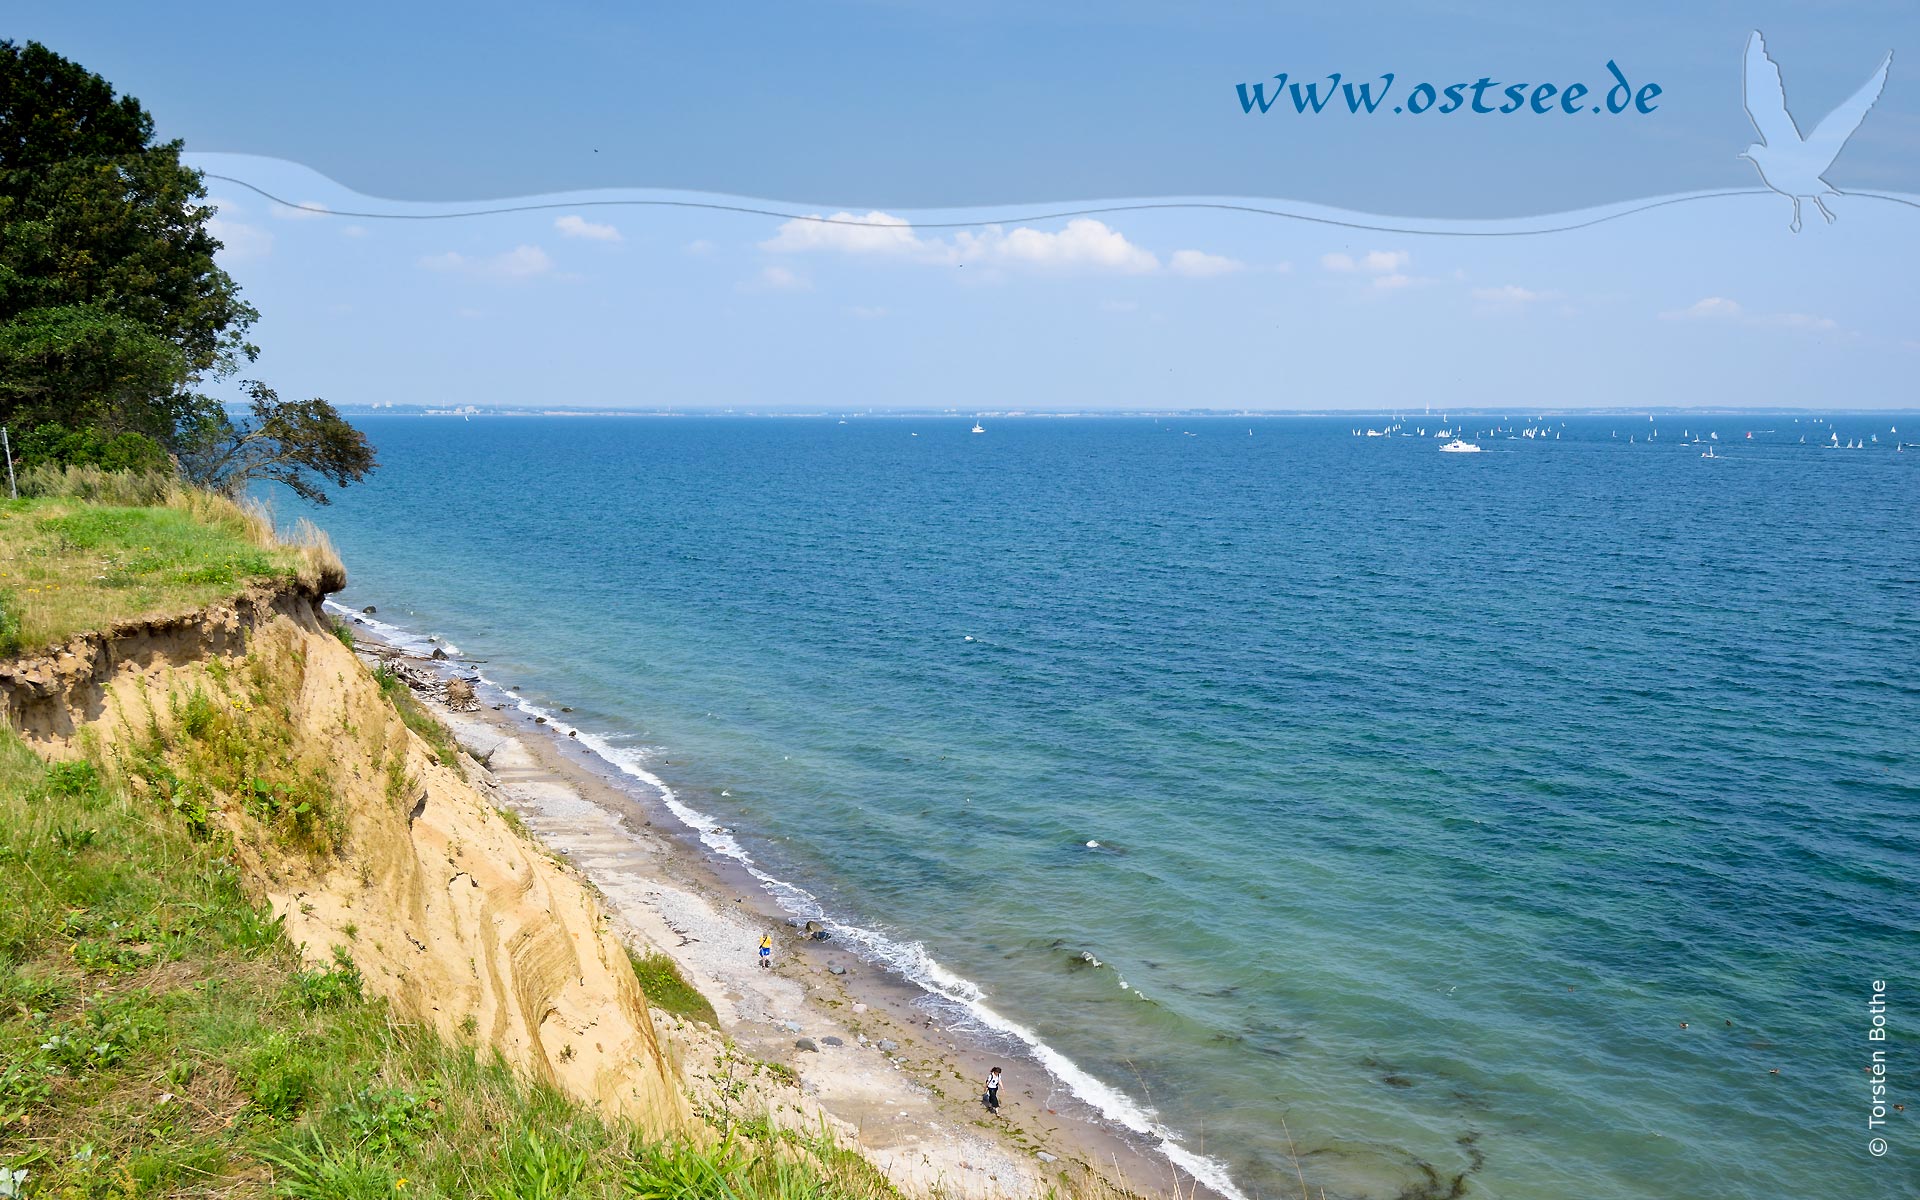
[
  {"x": 160, "y": 1037},
  {"x": 69, "y": 564}
]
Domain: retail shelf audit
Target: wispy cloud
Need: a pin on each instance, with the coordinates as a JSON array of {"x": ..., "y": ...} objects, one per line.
[
  {"x": 1510, "y": 295},
  {"x": 1720, "y": 308},
  {"x": 1386, "y": 269},
  {"x": 239, "y": 239},
  {"x": 521, "y": 262},
  {"x": 1199, "y": 264},
  {"x": 1083, "y": 244},
  {"x": 777, "y": 279},
  {"x": 574, "y": 226}
]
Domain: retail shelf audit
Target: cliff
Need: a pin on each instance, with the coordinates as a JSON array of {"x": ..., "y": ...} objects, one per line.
[{"x": 252, "y": 717}]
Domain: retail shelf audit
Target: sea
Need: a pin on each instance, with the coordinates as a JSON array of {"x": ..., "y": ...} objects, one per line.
[{"x": 1534, "y": 823}]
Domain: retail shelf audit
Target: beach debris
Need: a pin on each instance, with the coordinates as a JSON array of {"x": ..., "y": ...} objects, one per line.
[
  {"x": 806, "y": 1044},
  {"x": 1044, "y": 1157},
  {"x": 460, "y": 697},
  {"x": 819, "y": 935}
]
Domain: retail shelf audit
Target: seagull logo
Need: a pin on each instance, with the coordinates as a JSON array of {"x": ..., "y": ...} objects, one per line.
[{"x": 1789, "y": 163}]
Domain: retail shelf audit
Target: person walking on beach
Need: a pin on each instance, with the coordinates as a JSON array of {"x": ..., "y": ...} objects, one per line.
[
  {"x": 766, "y": 950},
  {"x": 992, "y": 1098}
]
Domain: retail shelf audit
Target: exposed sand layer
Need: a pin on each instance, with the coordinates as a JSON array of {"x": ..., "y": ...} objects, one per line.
[
  {"x": 458, "y": 920},
  {"x": 883, "y": 1073}
]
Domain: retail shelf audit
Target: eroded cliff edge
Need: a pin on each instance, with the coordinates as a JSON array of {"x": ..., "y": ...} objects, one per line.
[{"x": 246, "y": 711}]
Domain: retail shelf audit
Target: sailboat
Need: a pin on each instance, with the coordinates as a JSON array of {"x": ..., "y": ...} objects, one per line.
[
  {"x": 977, "y": 428},
  {"x": 1709, "y": 453}
]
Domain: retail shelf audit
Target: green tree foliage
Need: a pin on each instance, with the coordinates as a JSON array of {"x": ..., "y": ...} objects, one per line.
[
  {"x": 286, "y": 441},
  {"x": 112, "y": 308}
]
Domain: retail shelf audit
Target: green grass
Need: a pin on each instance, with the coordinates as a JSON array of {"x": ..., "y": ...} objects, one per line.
[
  {"x": 667, "y": 989},
  {"x": 67, "y": 566},
  {"x": 416, "y": 716},
  {"x": 159, "y": 1036}
]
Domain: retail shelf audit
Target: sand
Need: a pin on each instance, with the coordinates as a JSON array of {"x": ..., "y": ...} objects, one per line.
[{"x": 913, "y": 1109}]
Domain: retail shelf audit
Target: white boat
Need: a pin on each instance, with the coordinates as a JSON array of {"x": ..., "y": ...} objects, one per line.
[
  {"x": 1456, "y": 446},
  {"x": 1709, "y": 453},
  {"x": 977, "y": 428}
]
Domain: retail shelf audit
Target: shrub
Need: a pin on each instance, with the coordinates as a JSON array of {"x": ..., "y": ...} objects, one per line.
[{"x": 667, "y": 989}]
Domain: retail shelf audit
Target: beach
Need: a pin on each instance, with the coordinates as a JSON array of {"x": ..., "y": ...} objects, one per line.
[{"x": 869, "y": 1060}]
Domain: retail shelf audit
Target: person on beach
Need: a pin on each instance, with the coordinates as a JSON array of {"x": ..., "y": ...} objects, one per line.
[
  {"x": 766, "y": 950},
  {"x": 992, "y": 1098}
]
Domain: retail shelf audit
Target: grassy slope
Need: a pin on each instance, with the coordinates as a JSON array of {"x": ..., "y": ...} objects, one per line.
[
  {"x": 159, "y": 1036},
  {"x": 67, "y": 566}
]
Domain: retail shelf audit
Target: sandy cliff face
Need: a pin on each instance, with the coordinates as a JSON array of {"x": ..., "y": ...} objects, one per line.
[{"x": 459, "y": 920}]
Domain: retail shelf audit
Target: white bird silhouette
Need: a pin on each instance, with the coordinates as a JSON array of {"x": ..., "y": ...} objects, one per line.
[{"x": 1789, "y": 163}]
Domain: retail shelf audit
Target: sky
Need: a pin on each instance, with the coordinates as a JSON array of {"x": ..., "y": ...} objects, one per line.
[
  {"x": 918, "y": 103},
  {"x": 591, "y": 303},
  {"x": 891, "y": 115}
]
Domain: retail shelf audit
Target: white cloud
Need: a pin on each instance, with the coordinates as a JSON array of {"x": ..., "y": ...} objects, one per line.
[
  {"x": 1509, "y": 294},
  {"x": 521, "y": 262},
  {"x": 240, "y": 240},
  {"x": 1719, "y": 308},
  {"x": 579, "y": 227},
  {"x": 1395, "y": 280},
  {"x": 874, "y": 233},
  {"x": 867, "y": 312},
  {"x": 1082, "y": 244},
  {"x": 1119, "y": 306},
  {"x": 1712, "y": 306},
  {"x": 1085, "y": 242},
  {"x": 306, "y": 210},
  {"x": 777, "y": 279},
  {"x": 1199, "y": 264},
  {"x": 354, "y": 231},
  {"x": 1374, "y": 262},
  {"x": 699, "y": 246}
]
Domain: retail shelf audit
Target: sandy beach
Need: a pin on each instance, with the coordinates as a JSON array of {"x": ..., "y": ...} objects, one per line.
[{"x": 854, "y": 1053}]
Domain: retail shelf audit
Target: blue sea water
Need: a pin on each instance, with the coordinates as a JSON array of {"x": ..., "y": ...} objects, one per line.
[{"x": 1432, "y": 793}]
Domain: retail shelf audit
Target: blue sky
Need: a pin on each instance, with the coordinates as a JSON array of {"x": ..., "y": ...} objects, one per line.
[
  {"x": 894, "y": 110},
  {"x": 920, "y": 103},
  {"x": 1708, "y": 303}
]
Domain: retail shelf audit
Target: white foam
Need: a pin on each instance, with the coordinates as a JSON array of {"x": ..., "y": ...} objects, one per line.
[{"x": 908, "y": 959}]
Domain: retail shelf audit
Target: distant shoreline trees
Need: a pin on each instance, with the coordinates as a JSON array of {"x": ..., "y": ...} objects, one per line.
[{"x": 113, "y": 311}]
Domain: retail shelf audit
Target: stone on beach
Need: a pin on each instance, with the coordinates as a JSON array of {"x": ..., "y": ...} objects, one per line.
[{"x": 806, "y": 1044}]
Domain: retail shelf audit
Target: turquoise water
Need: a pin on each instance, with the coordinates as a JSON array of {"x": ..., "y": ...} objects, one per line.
[{"x": 1432, "y": 792}]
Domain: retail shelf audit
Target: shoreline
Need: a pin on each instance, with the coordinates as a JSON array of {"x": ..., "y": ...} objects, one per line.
[{"x": 896, "y": 1066}]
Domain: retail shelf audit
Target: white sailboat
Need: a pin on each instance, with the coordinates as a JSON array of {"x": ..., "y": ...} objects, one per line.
[{"x": 977, "y": 428}]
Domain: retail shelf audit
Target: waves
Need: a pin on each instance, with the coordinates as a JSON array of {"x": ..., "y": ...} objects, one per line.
[{"x": 908, "y": 960}]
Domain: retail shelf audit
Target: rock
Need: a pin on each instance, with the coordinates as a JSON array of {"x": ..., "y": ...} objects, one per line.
[
  {"x": 790, "y": 1026},
  {"x": 573, "y": 733},
  {"x": 539, "y": 720},
  {"x": 819, "y": 935},
  {"x": 806, "y": 1044},
  {"x": 369, "y": 610},
  {"x": 859, "y": 1008},
  {"x": 460, "y": 697},
  {"x": 564, "y": 708},
  {"x": 1043, "y": 1156},
  {"x": 887, "y": 1045},
  {"x": 439, "y": 654},
  {"x": 831, "y": 1041},
  {"x": 836, "y": 969},
  {"x": 813, "y": 926}
]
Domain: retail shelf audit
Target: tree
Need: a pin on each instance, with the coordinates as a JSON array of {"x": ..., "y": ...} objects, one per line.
[
  {"x": 286, "y": 441},
  {"x": 113, "y": 312}
]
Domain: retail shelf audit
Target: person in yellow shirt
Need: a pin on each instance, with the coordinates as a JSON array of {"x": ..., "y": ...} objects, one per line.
[{"x": 766, "y": 950}]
